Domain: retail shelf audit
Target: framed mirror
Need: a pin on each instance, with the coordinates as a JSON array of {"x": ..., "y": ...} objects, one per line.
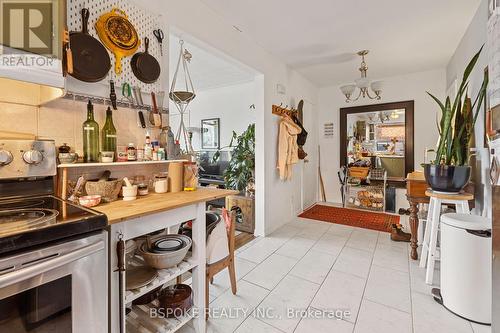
[
  {"x": 210, "y": 133},
  {"x": 381, "y": 134}
]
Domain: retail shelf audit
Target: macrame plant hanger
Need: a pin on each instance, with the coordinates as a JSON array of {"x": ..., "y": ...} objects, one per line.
[{"x": 182, "y": 94}]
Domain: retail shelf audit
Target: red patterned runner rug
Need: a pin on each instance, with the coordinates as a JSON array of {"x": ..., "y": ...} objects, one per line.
[{"x": 352, "y": 217}]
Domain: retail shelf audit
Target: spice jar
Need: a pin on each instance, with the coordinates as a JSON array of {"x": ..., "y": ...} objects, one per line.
[
  {"x": 142, "y": 189},
  {"x": 131, "y": 152}
]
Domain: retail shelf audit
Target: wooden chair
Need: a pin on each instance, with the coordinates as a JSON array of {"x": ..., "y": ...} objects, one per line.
[{"x": 227, "y": 262}]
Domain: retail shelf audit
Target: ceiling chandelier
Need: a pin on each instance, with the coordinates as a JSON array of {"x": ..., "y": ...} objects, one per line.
[{"x": 363, "y": 84}]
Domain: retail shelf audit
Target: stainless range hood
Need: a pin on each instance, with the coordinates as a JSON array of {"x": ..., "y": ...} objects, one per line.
[
  {"x": 31, "y": 85},
  {"x": 31, "y": 70}
]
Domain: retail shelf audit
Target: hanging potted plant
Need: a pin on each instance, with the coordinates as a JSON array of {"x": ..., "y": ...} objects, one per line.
[
  {"x": 450, "y": 171},
  {"x": 240, "y": 173}
]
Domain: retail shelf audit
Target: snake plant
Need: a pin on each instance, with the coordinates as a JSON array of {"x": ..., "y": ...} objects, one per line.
[{"x": 456, "y": 126}]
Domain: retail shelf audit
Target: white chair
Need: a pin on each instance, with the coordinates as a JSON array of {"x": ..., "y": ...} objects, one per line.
[{"x": 429, "y": 245}]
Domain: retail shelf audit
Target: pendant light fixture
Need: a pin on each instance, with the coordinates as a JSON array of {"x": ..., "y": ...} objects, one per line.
[
  {"x": 363, "y": 83},
  {"x": 182, "y": 93}
]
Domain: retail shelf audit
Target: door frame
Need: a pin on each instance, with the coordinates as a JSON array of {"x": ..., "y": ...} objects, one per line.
[{"x": 409, "y": 128}]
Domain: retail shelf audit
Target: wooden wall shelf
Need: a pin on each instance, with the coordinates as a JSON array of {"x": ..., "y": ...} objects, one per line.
[{"x": 84, "y": 165}]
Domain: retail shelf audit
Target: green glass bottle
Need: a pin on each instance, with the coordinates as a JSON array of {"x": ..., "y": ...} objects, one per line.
[
  {"x": 109, "y": 133},
  {"x": 90, "y": 136}
]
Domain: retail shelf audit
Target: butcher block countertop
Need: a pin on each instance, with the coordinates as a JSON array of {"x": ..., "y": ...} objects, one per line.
[{"x": 119, "y": 211}]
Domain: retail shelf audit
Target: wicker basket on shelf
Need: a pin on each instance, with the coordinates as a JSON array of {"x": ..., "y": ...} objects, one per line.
[{"x": 359, "y": 172}]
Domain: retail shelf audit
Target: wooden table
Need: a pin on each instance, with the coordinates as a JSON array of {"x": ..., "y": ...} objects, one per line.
[
  {"x": 415, "y": 193},
  {"x": 131, "y": 219},
  {"x": 120, "y": 211}
]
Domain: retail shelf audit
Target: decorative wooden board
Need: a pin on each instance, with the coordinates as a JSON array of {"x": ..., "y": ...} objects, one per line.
[{"x": 246, "y": 217}]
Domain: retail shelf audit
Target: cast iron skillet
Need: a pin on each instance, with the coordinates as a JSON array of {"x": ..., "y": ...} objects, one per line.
[
  {"x": 91, "y": 61},
  {"x": 145, "y": 67}
]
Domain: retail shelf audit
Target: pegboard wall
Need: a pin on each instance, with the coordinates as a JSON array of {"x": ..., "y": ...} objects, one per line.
[{"x": 143, "y": 21}]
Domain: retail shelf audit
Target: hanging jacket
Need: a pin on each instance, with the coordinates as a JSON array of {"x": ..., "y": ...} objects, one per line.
[{"x": 287, "y": 147}]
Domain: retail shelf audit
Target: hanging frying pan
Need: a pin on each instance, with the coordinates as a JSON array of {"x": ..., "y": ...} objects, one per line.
[
  {"x": 145, "y": 67},
  {"x": 118, "y": 35},
  {"x": 91, "y": 61}
]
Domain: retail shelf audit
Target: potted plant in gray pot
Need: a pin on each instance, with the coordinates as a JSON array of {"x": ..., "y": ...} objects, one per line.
[
  {"x": 240, "y": 173},
  {"x": 450, "y": 171}
]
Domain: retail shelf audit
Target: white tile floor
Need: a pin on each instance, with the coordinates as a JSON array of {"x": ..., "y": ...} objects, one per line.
[{"x": 311, "y": 265}]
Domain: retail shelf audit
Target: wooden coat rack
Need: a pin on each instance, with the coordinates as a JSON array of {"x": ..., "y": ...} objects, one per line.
[{"x": 281, "y": 111}]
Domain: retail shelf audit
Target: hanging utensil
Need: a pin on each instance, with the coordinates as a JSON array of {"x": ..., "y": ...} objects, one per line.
[
  {"x": 91, "y": 61},
  {"x": 160, "y": 97},
  {"x": 138, "y": 98},
  {"x": 138, "y": 95},
  {"x": 118, "y": 35},
  {"x": 120, "y": 253},
  {"x": 127, "y": 92},
  {"x": 112, "y": 94},
  {"x": 154, "y": 116},
  {"x": 67, "y": 54},
  {"x": 158, "y": 33},
  {"x": 145, "y": 67}
]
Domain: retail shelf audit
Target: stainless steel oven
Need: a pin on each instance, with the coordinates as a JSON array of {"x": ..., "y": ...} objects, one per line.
[{"x": 60, "y": 288}]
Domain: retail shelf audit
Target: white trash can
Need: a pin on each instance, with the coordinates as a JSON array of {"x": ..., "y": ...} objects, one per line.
[{"x": 466, "y": 265}]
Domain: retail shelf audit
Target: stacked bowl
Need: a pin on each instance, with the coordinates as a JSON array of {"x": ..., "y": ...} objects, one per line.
[{"x": 166, "y": 251}]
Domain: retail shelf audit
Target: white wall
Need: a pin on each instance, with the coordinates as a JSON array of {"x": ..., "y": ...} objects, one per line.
[
  {"x": 231, "y": 104},
  {"x": 398, "y": 88},
  {"x": 471, "y": 42},
  {"x": 273, "y": 197}
]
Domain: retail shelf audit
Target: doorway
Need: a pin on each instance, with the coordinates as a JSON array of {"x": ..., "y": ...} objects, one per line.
[
  {"x": 226, "y": 107},
  {"x": 309, "y": 166}
]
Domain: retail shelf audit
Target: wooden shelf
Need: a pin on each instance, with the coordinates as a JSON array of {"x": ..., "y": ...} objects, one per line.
[
  {"x": 164, "y": 276},
  {"x": 140, "y": 321},
  {"x": 85, "y": 165}
]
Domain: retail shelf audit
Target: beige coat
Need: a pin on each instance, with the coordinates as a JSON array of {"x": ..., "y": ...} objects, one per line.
[{"x": 287, "y": 147}]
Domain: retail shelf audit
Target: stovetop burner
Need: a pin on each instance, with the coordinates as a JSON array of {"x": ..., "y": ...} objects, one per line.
[
  {"x": 15, "y": 220},
  {"x": 30, "y": 214},
  {"x": 34, "y": 220},
  {"x": 26, "y": 203}
]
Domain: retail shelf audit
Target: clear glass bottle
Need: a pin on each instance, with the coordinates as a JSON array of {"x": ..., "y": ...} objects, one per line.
[
  {"x": 170, "y": 148},
  {"x": 109, "y": 133},
  {"x": 90, "y": 136},
  {"x": 163, "y": 137},
  {"x": 148, "y": 149}
]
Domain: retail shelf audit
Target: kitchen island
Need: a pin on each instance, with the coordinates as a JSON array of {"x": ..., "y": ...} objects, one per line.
[{"x": 131, "y": 219}]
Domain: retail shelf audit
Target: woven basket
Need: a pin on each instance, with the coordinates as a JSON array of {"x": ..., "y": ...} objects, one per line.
[{"x": 359, "y": 172}]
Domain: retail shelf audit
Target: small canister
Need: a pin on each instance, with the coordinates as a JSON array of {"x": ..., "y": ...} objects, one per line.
[
  {"x": 176, "y": 176},
  {"x": 142, "y": 189}
]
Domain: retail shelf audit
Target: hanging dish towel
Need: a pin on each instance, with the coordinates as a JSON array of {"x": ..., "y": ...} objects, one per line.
[{"x": 287, "y": 147}]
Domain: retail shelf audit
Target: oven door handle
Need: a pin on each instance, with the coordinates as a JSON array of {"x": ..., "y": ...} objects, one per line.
[{"x": 45, "y": 266}]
